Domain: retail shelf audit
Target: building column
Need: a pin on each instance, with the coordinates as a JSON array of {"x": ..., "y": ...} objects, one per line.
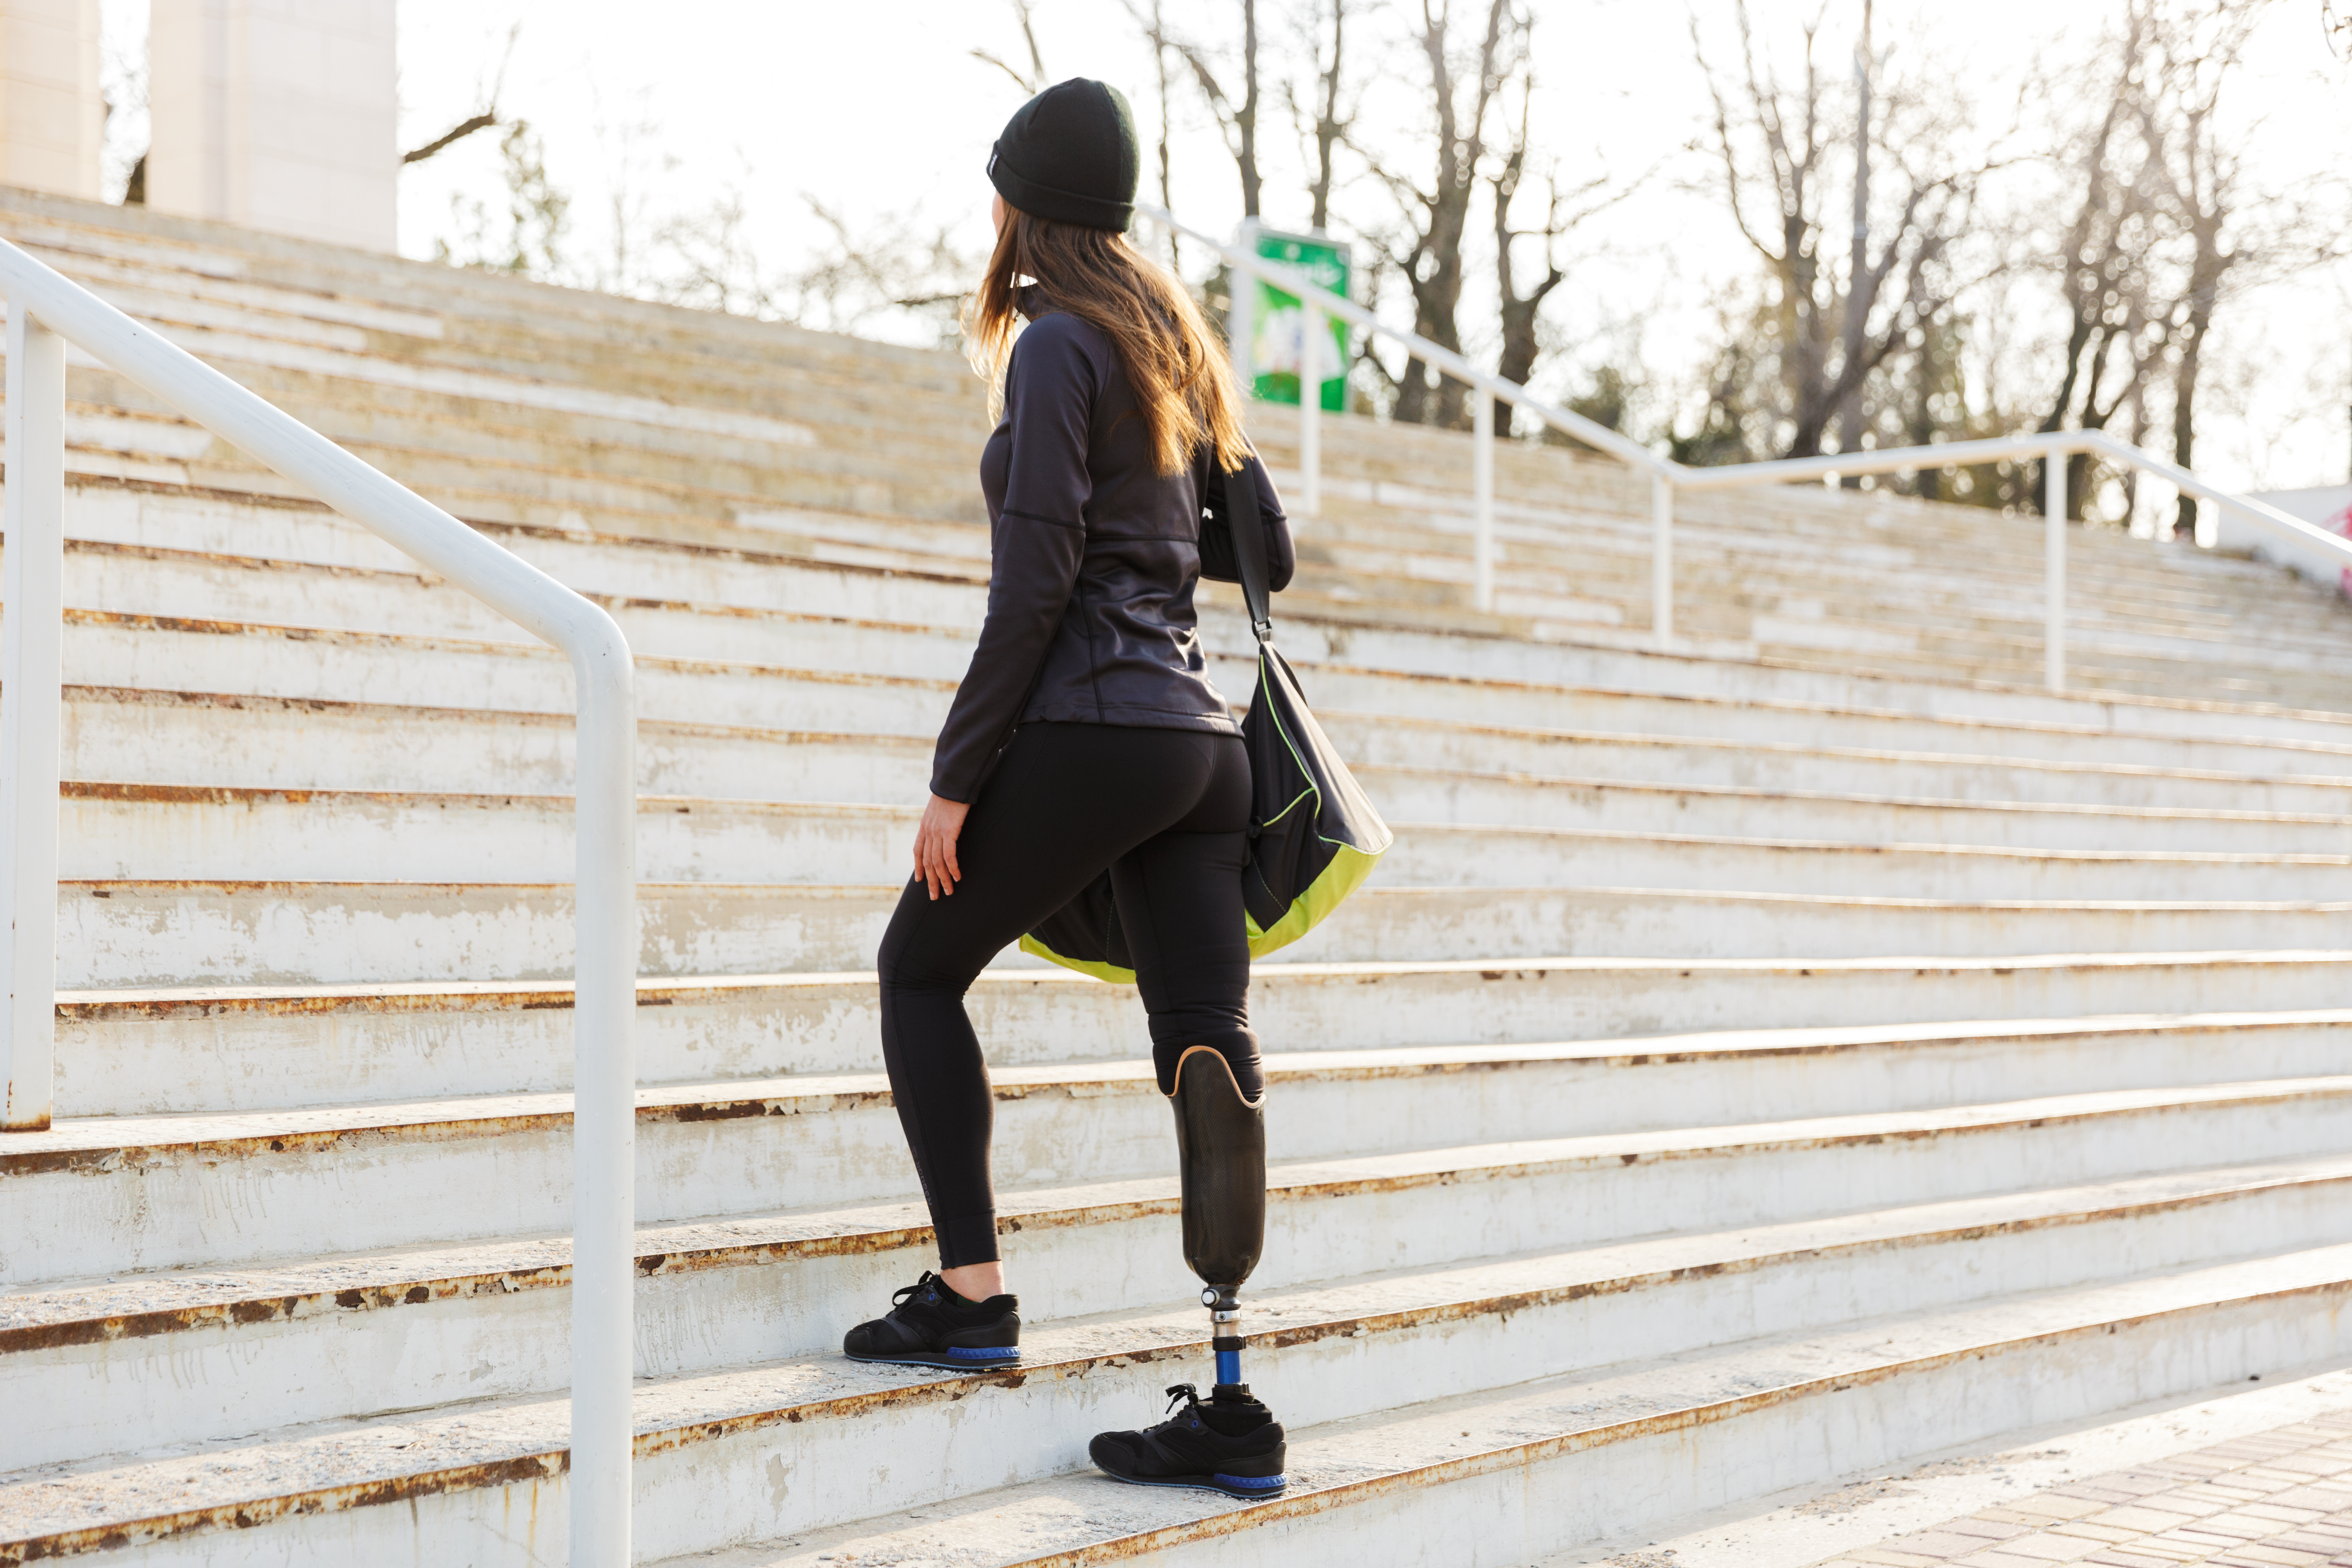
[
  {"x": 52, "y": 119},
  {"x": 276, "y": 114}
]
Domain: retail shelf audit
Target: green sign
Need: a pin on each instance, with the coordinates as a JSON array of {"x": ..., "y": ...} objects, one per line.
[{"x": 1276, "y": 327}]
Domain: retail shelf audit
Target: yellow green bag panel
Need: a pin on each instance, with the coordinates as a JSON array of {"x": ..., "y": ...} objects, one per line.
[
  {"x": 1342, "y": 877},
  {"x": 1314, "y": 838}
]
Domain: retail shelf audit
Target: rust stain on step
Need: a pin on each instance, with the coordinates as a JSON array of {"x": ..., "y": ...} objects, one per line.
[{"x": 247, "y": 1515}]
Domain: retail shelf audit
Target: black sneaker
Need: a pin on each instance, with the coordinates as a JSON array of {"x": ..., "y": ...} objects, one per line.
[
  {"x": 933, "y": 1326},
  {"x": 1232, "y": 1444}
]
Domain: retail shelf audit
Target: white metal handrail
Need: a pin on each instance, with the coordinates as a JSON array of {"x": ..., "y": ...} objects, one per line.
[
  {"x": 46, "y": 310},
  {"x": 1666, "y": 475}
]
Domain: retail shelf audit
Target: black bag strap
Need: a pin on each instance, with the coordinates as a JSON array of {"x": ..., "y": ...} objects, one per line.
[{"x": 1248, "y": 526}]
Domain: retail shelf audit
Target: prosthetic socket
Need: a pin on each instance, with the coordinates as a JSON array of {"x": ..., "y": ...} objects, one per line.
[{"x": 1221, "y": 1141}]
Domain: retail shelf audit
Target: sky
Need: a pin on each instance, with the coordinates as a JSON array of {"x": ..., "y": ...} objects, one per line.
[{"x": 879, "y": 111}]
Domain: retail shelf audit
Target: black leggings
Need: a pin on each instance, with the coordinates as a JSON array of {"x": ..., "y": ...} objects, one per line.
[{"x": 1168, "y": 812}]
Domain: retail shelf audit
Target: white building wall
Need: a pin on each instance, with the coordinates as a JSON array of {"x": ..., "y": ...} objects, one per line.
[
  {"x": 52, "y": 119},
  {"x": 277, "y": 114}
]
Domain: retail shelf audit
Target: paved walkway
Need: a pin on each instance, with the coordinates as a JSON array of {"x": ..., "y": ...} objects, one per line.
[{"x": 2276, "y": 1499}]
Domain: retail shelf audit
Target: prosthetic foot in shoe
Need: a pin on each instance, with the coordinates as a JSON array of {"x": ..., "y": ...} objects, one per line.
[
  {"x": 932, "y": 1326},
  {"x": 1228, "y": 1443}
]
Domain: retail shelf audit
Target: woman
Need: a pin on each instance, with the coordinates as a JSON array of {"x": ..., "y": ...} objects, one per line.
[{"x": 1086, "y": 734}]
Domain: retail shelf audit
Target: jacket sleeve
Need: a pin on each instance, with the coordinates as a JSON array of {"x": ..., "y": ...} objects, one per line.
[
  {"x": 1217, "y": 560},
  {"x": 1041, "y": 534}
]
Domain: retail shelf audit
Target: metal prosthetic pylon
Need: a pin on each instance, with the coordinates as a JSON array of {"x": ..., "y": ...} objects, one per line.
[{"x": 1225, "y": 1338}]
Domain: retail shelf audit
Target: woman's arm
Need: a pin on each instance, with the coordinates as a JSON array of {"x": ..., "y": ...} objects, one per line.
[
  {"x": 1217, "y": 530},
  {"x": 1041, "y": 534}
]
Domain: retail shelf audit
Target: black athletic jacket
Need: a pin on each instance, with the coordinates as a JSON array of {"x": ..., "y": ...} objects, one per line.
[{"x": 1095, "y": 554}]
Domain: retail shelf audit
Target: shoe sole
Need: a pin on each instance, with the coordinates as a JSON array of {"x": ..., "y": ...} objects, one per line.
[
  {"x": 942, "y": 1363},
  {"x": 1197, "y": 1484}
]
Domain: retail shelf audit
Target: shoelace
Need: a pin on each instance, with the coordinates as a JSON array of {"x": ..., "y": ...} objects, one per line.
[
  {"x": 901, "y": 1297},
  {"x": 1185, "y": 1391}
]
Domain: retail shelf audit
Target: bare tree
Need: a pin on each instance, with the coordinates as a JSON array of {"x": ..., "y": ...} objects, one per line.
[
  {"x": 1464, "y": 86},
  {"x": 1833, "y": 328},
  {"x": 2101, "y": 253},
  {"x": 1236, "y": 119},
  {"x": 485, "y": 111},
  {"x": 1521, "y": 311},
  {"x": 1034, "y": 80},
  {"x": 1330, "y": 123},
  {"x": 2198, "y": 180},
  {"x": 1158, "y": 33},
  {"x": 1851, "y": 419}
]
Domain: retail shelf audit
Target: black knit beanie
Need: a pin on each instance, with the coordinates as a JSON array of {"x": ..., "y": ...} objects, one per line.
[{"x": 1069, "y": 156}]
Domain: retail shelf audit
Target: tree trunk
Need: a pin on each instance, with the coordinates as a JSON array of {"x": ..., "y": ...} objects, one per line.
[
  {"x": 1329, "y": 127},
  {"x": 2184, "y": 398},
  {"x": 1167, "y": 189},
  {"x": 1850, "y": 414},
  {"x": 1246, "y": 118},
  {"x": 1434, "y": 271}
]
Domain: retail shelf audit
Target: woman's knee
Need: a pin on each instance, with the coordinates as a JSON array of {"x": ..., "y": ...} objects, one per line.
[{"x": 915, "y": 956}]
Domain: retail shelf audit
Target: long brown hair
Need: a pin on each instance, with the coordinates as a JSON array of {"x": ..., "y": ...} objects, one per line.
[{"x": 1182, "y": 382}]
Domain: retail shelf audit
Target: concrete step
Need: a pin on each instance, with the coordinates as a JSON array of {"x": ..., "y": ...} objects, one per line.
[
  {"x": 134, "y": 736},
  {"x": 193, "y": 1358},
  {"x": 1565, "y": 1461},
  {"x": 181, "y": 1192},
  {"x": 1375, "y": 740},
  {"x": 706, "y": 1443},
  {"x": 1464, "y": 795},
  {"x": 115, "y": 933},
  {"x": 1802, "y": 606},
  {"x": 1453, "y": 1093},
  {"x": 160, "y": 654},
  {"x": 111, "y": 831},
  {"x": 130, "y": 736},
  {"x": 166, "y": 1048},
  {"x": 1430, "y": 854},
  {"x": 1804, "y": 563}
]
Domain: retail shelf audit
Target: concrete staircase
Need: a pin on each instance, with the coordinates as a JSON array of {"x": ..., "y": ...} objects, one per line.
[{"x": 1784, "y": 1056}]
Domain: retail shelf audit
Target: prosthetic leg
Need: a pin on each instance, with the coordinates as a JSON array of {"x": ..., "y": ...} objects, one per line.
[
  {"x": 1221, "y": 1140},
  {"x": 1228, "y": 1443}
]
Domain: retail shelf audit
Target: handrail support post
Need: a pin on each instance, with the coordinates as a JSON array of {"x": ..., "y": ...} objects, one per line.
[
  {"x": 2054, "y": 568},
  {"x": 1482, "y": 472},
  {"x": 1661, "y": 559},
  {"x": 1310, "y": 408},
  {"x": 32, "y": 595},
  {"x": 604, "y": 1109},
  {"x": 1241, "y": 309}
]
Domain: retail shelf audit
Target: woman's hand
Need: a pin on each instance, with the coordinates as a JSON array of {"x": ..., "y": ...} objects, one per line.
[{"x": 934, "y": 845}]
